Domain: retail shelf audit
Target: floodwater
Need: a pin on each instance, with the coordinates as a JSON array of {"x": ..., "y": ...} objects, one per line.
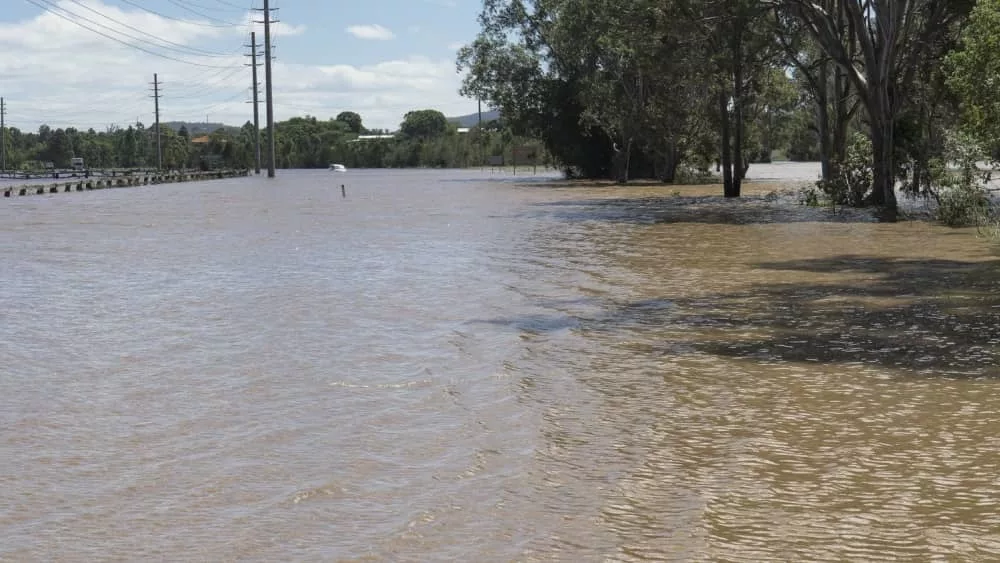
[{"x": 454, "y": 366}]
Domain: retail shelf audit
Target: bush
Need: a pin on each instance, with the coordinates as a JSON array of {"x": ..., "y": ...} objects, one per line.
[
  {"x": 691, "y": 175},
  {"x": 963, "y": 206},
  {"x": 962, "y": 197},
  {"x": 808, "y": 196},
  {"x": 853, "y": 178}
]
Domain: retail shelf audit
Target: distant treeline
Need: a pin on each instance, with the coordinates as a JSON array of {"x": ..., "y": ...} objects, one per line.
[{"x": 425, "y": 139}]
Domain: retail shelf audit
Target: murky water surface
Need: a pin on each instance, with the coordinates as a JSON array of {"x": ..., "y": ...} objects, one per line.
[{"x": 453, "y": 366}]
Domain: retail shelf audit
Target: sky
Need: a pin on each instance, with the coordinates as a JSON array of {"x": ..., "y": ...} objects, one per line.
[{"x": 90, "y": 63}]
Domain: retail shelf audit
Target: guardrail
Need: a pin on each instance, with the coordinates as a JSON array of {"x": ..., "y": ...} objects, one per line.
[{"x": 120, "y": 181}]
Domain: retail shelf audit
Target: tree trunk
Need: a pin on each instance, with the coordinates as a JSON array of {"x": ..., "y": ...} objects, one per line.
[
  {"x": 669, "y": 163},
  {"x": 725, "y": 148},
  {"x": 740, "y": 169},
  {"x": 841, "y": 116},
  {"x": 884, "y": 187},
  {"x": 621, "y": 162},
  {"x": 823, "y": 121}
]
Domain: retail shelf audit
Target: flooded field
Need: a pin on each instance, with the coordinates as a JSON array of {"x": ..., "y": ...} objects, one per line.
[{"x": 472, "y": 367}]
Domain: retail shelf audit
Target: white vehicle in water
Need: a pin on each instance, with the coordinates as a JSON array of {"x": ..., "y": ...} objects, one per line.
[{"x": 338, "y": 168}]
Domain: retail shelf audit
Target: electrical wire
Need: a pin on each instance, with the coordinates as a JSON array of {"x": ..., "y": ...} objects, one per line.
[
  {"x": 197, "y": 13},
  {"x": 48, "y": 8},
  {"x": 183, "y": 49},
  {"x": 224, "y": 3},
  {"x": 223, "y": 81},
  {"x": 191, "y": 22},
  {"x": 217, "y": 82},
  {"x": 194, "y": 50}
]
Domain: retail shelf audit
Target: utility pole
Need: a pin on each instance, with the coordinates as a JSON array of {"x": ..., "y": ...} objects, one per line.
[
  {"x": 256, "y": 110},
  {"x": 3, "y": 137},
  {"x": 156, "y": 102},
  {"x": 480, "y": 134},
  {"x": 269, "y": 102}
]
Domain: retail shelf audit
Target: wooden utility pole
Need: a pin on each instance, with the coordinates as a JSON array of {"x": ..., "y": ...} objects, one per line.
[
  {"x": 480, "y": 134},
  {"x": 156, "y": 106},
  {"x": 256, "y": 112},
  {"x": 3, "y": 136},
  {"x": 268, "y": 91}
]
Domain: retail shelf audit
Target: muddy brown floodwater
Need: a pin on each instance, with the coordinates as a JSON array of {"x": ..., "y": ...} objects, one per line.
[{"x": 459, "y": 366}]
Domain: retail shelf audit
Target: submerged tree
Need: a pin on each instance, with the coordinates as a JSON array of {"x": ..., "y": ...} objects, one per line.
[{"x": 894, "y": 39}]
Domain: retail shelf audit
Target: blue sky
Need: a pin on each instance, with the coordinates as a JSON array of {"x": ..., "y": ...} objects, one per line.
[{"x": 380, "y": 58}]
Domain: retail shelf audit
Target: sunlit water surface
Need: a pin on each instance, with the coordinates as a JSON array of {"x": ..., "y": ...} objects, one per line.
[{"x": 459, "y": 366}]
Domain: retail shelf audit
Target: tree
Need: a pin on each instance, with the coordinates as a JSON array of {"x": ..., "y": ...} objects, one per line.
[
  {"x": 974, "y": 74},
  {"x": 58, "y": 148},
  {"x": 352, "y": 120},
  {"x": 822, "y": 82},
  {"x": 424, "y": 124},
  {"x": 742, "y": 51},
  {"x": 894, "y": 39},
  {"x": 771, "y": 115},
  {"x": 611, "y": 89}
]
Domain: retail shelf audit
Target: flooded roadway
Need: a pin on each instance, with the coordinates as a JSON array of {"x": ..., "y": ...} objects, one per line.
[{"x": 454, "y": 366}]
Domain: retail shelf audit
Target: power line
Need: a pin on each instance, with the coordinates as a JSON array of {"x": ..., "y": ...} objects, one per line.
[
  {"x": 215, "y": 85},
  {"x": 176, "y": 46},
  {"x": 191, "y": 22},
  {"x": 224, "y": 3},
  {"x": 197, "y": 13},
  {"x": 227, "y": 100},
  {"x": 208, "y": 76},
  {"x": 48, "y": 8}
]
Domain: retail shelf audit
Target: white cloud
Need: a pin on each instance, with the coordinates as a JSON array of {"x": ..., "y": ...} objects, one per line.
[
  {"x": 58, "y": 73},
  {"x": 373, "y": 31},
  {"x": 278, "y": 29},
  {"x": 381, "y": 92},
  {"x": 456, "y": 45}
]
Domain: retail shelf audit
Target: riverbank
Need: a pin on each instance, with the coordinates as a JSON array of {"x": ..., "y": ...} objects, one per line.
[{"x": 119, "y": 181}]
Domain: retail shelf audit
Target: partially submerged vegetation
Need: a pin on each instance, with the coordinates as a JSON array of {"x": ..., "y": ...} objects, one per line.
[{"x": 876, "y": 90}]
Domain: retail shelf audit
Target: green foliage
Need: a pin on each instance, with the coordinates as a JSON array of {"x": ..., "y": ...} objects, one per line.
[
  {"x": 591, "y": 75},
  {"x": 853, "y": 179},
  {"x": 808, "y": 196},
  {"x": 424, "y": 124},
  {"x": 352, "y": 120},
  {"x": 962, "y": 197},
  {"x": 974, "y": 73},
  {"x": 803, "y": 140},
  {"x": 300, "y": 142},
  {"x": 774, "y": 116}
]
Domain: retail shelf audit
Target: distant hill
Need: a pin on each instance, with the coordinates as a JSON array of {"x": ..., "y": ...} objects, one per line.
[
  {"x": 198, "y": 129},
  {"x": 472, "y": 119}
]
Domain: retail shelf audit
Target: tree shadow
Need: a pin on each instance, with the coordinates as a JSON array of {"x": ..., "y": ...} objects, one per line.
[{"x": 930, "y": 318}]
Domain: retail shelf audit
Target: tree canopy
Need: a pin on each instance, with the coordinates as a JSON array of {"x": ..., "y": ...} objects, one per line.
[
  {"x": 644, "y": 87},
  {"x": 426, "y": 139}
]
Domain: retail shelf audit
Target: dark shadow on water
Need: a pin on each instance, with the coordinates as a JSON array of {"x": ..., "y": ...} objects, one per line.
[
  {"x": 928, "y": 318},
  {"x": 698, "y": 209}
]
